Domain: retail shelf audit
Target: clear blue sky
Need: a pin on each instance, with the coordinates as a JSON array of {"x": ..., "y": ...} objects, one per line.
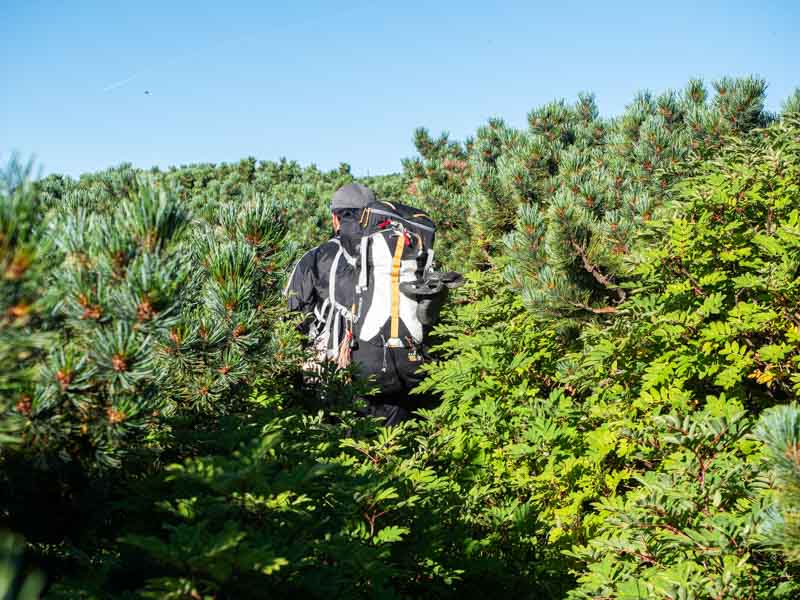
[{"x": 326, "y": 82}]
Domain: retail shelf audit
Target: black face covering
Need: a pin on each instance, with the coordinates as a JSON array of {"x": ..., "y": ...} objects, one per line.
[{"x": 350, "y": 230}]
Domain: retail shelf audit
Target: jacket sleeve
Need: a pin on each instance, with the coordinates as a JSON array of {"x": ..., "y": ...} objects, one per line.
[{"x": 301, "y": 290}]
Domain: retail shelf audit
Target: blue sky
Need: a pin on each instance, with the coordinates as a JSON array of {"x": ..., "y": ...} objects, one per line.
[{"x": 325, "y": 82}]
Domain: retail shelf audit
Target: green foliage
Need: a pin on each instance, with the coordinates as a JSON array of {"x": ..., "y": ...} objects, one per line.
[
  {"x": 159, "y": 442},
  {"x": 779, "y": 430},
  {"x": 15, "y": 582},
  {"x": 435, "y": 181},
  {"x": 23, "y": 266},
  {"x": 689, "y": 527},
  {"x": 564, "y": 205},
  {"x": 305, "y": 511},
  {"x": 157, "y": 312},
  {"x": 724, "y": 282},
  {"x": 300, "y": 505},
  {"x": 579, "y": 228},
  {"x": 791, "y": 106},
  {"x": 509, "y": 436},
  {"x": 651, "y": 473},
  {"x": 709, "y": 332}
]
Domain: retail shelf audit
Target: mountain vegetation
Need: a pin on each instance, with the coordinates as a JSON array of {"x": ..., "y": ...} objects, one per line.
[{"x": 616, "y": 385}]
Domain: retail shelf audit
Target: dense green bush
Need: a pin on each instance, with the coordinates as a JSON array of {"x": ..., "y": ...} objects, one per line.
[
  {"x": 562, "y": 205},
  {"x": 159, "y": 312},
  {"x": 710, "y": 339},
  {"x": 436, "y": 181},
  {"x": 23, "y": 265},
  {"x": 158, "y": 442},
  {"x": 658, "y": 478}
]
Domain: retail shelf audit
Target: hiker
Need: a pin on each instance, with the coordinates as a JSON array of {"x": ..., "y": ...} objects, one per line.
[{"x": 369, "y": 294}]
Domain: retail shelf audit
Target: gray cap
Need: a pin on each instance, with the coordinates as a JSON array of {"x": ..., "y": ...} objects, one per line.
[{"x": 352, "y": 195}]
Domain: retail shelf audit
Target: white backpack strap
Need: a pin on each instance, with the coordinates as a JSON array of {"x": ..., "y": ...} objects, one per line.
[
  {"x": 327, "y": 327},
  {"x": 337, "y": 310},
  {"x": 351, "y": 260},
  {"x": 429, "y": 262},
  {"x": 332, "y": 278},
  {"x": 334, "y": 339},
  {"x": 334, "y": 345},
  {"x": 337, "y": 306},
  {"x": 362, "y": 276},
  {"x": 320, "y": 312},
  {"x": 397, "y": 260}
]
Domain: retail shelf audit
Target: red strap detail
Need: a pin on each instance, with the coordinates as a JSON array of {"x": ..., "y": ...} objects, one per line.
[{"x": 384, "y": 224}]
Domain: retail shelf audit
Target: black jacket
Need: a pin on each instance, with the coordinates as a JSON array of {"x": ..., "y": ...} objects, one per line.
[
  {"x": 309, "y": 283},
  {"x": 393, "y": 371}
]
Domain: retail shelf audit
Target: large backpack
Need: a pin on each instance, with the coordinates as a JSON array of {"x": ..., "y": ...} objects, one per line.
[
  {"x": 396, "y": 248},
  {"x": 381, "y": 302}
]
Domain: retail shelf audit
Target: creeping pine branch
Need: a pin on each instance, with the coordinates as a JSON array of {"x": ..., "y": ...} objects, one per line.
[
  {"x": 596, "y": 273},
  {"x": 603, "y": 310}
]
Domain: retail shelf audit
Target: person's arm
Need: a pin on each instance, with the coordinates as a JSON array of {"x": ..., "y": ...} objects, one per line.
[{"x": 301, "y": 290}]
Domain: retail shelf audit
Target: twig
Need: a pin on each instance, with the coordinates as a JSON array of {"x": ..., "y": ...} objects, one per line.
[{"x": 596, "y": 273}]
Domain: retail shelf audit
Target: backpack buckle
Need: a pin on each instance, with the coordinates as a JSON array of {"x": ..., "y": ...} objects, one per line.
[{"x": 395, "y": 343}]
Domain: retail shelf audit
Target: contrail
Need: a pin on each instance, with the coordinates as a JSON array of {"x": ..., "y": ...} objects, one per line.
[
  {"x": 172, "y": 61},
  {"x": 122, "y": 82}
]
